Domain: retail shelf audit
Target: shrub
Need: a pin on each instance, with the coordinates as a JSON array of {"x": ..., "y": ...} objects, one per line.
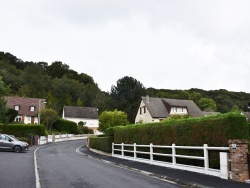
[
  {"x": 212, "y": 130},
  {"x": 101, "y": 143},
  {"x": 23, "y": 130},
  {"x": 84, "y": 130},
  {"x": 112, "y": 118},
  {"x": 81, "y": 123},
  {"x": 66, "y": 126}
]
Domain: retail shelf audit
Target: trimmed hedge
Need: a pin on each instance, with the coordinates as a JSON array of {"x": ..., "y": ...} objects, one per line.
[
  {"x": 23, "y": 130},
  {"x": 211, "y": 130},
  {"x": 101, "y": 143},
  {"x": 66, "y": 126}
]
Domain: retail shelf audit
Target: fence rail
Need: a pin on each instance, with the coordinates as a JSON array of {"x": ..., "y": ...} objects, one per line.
[
  {"x": 58, "y": 138},
  {"x": 119, "y": 152}
]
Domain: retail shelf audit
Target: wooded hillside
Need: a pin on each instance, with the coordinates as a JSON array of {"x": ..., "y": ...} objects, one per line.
[{"x": 60, "y": 86}]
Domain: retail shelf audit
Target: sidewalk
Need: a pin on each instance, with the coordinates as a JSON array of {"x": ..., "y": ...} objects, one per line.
[{"x": 182, "y": 177}]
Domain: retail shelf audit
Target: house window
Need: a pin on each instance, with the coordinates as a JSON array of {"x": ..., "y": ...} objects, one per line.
[
  {"x": 32, "y": 108},
  {"x": 18, "y": 119},
  {"x": 16, "y": 107},
  {"x": 143, "y": 110}
]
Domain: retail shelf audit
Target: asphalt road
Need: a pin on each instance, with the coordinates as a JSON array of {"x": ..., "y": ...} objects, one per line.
[
  {"x": 60, "y": 166},
  {"x": 17, "y": 169}
]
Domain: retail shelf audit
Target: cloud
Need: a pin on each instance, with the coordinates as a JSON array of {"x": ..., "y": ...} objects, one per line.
[{"x": 164, "y": 44}]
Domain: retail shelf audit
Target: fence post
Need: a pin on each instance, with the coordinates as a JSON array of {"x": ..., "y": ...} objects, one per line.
[
  {"x": 122, "y": 150},
  {"x": 151, "y": 152},
  {"x": 224, "y": 165},
  {"x": 53, "y": 137},
  {"x": 112, "y": 149},
  {"x": 173, "y": 155},
  {"x": 206, "y": 160},
  {"x": 135, "y": 151}
]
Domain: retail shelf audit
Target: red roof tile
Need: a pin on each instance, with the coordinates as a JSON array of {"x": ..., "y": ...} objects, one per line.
[{"x": 25, "y": 105}]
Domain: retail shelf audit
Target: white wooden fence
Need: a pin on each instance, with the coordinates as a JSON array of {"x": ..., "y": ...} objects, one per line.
[
  {"x": 62, "y": 137},
  {"x": 119, "y": 152}
]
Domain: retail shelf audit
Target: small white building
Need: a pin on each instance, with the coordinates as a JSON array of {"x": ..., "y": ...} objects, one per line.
[
  {"x": 158, "y": 109},
  {"x": 88, "y": 115}
]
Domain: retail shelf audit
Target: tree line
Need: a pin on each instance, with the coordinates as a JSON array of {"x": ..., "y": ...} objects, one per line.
[{"x": 60, "y": 86}]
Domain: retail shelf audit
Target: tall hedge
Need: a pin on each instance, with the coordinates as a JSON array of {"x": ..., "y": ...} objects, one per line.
[
  {"x": 101, "y": 143},
  {"x": 23, "y": 130},
  {"x": 212, "y": 130},
  {"x": 66, "y": 126}
]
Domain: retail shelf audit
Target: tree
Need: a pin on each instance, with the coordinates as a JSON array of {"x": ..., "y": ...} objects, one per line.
[
  {"x": 235, "y": 109},
  {"x": 11, "y": 114},
  {"x": 207, "y": 104},
  {"x": 35, "y": 81},
  {"x": 57, "y": 69},
  {"x": 126, "y": 96},
  {"x": 48, "y": 117},
  {"x": 3, "y": 109},
  {"x": 114, "y": 118}
]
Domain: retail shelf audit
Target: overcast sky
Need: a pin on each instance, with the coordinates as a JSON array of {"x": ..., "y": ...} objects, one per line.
[{"x": 168, "y": 44}]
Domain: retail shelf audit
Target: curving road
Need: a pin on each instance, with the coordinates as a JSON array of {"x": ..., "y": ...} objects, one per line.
[{"x": 61, "y": 166}]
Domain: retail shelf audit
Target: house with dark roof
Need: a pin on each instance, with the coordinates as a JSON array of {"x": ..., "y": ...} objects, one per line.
[
  {"x": 158, "y": 109},
  {"x": 28, "y": 108},
  {"x": 88, "y": 115},
  {"x": 247, "y": 114}
]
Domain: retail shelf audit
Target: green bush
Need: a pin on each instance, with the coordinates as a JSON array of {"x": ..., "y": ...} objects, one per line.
[
  {"x": 101, "y": 143},
  {"x": 109, "y": 132},
  {"x": 23, "y": 130},
  {"x": 84, "y": 130},
  {"x": 212, "y": 130},
  {"x": 66, "y": 126}
]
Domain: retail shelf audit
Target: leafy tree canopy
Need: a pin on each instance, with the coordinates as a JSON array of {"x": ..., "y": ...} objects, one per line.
[
  {"x": 49, "y": 117},
  {"x": 114, "y": 118},
  {"x": 206, "y": 104},
  {"x": 126, "y": 96}
]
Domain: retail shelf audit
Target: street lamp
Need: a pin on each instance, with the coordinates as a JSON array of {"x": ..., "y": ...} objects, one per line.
[{"x": 39, "y": 109}]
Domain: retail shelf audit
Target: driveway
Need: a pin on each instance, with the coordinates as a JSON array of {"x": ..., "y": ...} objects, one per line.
[{"x": 17, "y": 169}]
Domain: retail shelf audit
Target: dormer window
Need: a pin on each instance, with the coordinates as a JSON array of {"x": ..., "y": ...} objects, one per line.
[
  {"x": 16, "y": 107},
  {"x": 142, "y": 109},
  {"x": 32, "y": 108}
]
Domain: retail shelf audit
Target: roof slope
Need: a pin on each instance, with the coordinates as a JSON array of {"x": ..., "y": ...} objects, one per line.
[
  {"x": 24, "y": 104},
  {"x": 160, "y": 107},
  {"x": 156, "y": 107},
  {"x": 81, "y": 112},
  {"x": 247, "y": 114}
]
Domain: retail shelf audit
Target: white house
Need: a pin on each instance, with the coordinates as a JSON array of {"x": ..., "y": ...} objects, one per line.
[
  {"x": 28, "y": 108},
  {"x": 88, "y": 115},
  {"x": 158, "y": 109}
]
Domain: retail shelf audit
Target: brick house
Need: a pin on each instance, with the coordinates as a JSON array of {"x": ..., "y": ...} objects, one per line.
[{"x": 28, "y": 108}]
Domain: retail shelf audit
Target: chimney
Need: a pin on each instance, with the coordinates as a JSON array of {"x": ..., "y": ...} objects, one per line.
[{"x": 147, "y": 99}]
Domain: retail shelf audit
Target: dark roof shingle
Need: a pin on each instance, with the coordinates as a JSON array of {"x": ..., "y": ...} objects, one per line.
[
  {"x": 81, "y": 112},
  {"x": 158, "y": 107}
]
